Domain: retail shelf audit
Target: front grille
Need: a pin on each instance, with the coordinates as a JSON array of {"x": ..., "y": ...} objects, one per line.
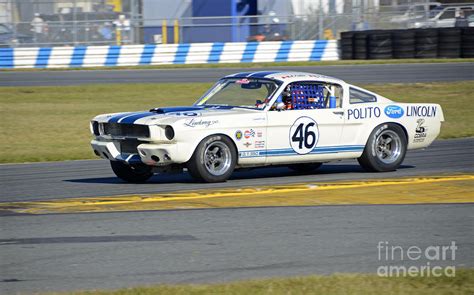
[
  {"x": 126, "y": 130},
  {"x": 130, "y": 146}
]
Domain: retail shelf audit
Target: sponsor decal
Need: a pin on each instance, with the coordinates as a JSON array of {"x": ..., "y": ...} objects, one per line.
[
  {"x": 393, "y": 111},
  {"x": 238, "y": 135},
  {"x": 420, "y": 131},
  {"x": 421, "y": 111},
  {"x": 243, "y": 81},
  {"x": 249, "y": 133},
  {"x": 363, "y": 113},
  {"x": 247, "y": 144},
  {"x": 304, "y": 135},
  {"x": 259, "y": 144},
  {"x": 185, "y": 114},
  {"x": 200, "y": 123},
  {"x": 259, "y": 134},
  {"x": 249, "y": 154}
]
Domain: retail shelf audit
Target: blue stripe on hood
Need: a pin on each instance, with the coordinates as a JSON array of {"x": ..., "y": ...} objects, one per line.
[{"x": 130, "y": 118}]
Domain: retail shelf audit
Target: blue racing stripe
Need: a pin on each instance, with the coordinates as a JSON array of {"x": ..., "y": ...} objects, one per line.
[
  {"x": 147, "y": 54},
  {"x": 284, "y": 51},
  {"x": 262, "y": 74},
  {"x": 318, "y": 49},
  {"x": 249, "y": 52},
  {"x": 181, "y": 53},
  {"x": 42, "y": 59},
  {"x": 242, "y": 75},
  {"x": 291, "y": 152},
  {"x": 134, "y": 117},
  {"x": 215, "y": 53},
  {"x": 112, "y": 55},
  {"x": 115, "y": 118},
  {"x": 77, "y": 58},
  {"x": 7, "y": 58}
]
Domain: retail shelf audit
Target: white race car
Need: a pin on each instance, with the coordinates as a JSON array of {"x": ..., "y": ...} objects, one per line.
[{"x": 266, "y": 118}]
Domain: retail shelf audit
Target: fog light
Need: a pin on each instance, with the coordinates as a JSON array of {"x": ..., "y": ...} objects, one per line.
[
  {"x": 155, "y": 158},
  {"x": 169, "y": 132}
]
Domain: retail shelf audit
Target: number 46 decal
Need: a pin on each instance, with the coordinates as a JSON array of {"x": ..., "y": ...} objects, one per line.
[{"x": 304, "y": 135}]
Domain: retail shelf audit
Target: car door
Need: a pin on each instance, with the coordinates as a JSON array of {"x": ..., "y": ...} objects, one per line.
[{"x": 304, "y": 133}]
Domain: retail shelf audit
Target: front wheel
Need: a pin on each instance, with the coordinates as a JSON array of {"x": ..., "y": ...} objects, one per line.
[
  {"x": 131, "y": 173},
  {"x": 213, "y": 160},
  {"x": 385, "y": 149}
]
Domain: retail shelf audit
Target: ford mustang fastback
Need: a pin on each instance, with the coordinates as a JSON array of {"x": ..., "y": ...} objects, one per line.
[{"x": 253, "y": 119}]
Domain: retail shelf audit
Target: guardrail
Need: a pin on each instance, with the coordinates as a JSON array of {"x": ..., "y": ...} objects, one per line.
[{"x": 150, "y": 54}]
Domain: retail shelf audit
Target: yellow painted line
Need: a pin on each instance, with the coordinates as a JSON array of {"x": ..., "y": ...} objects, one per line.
[{"x": 433, "y": 189}]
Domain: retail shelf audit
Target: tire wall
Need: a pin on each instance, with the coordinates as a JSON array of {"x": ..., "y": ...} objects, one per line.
[{"x": 412, "y": 43}]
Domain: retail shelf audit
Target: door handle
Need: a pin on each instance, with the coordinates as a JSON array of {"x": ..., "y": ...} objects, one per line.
[{"x": 339, "y": 113}]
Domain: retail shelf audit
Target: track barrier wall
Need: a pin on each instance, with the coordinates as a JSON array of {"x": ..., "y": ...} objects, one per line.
[
  {"x": 413, "y": 43},
  {"x": 151, "y": 54}
]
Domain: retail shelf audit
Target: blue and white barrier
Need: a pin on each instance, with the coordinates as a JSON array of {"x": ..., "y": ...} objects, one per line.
[{"x": 195, "y": 53}]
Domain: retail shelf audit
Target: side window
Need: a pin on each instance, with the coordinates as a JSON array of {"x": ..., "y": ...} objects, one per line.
[
  {"x": 309, "y": 96},
  {"x": 447, "y": 14},
  {"x": 357, "y": 96}
]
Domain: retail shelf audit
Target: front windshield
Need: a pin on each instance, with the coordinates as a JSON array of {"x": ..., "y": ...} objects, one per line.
[{"x": 239, "y": 92}]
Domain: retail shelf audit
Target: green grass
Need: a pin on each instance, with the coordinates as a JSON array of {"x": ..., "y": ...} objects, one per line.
[
  {"x": 265, "y": 64},
  {"x": 353, "y": 284},
  {"x": 52, "y": 123}
]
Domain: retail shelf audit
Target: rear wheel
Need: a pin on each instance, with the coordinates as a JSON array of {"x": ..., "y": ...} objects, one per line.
[
  {"x": 131, "y": 173},
  {"x": 305, "y": 167},
  {"x": 213, "y": 160},
  {"x": 385, "y": 149}
]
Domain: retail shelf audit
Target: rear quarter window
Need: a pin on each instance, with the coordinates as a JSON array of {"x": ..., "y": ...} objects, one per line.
[{"x": 358, "y": 96}]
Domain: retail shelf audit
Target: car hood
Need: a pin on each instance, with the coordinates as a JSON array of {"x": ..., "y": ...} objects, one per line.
[{"x": 170, "y": 115}]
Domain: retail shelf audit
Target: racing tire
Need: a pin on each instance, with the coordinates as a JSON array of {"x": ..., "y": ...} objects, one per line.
[
  {"x": 304, "y": 167},
  {"x": 132, "y": 173},
  {"x": 213, "y": 160},
  {"x": 385, "y": 149}
]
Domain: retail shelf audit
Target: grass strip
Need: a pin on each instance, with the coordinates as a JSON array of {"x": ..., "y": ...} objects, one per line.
[{"x": 336, "y": 284}]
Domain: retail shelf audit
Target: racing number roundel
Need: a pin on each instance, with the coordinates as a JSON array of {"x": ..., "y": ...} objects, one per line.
[{"x": 304, "y": 135}]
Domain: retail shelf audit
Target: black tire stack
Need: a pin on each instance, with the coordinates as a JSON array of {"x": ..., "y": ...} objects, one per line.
[
  {"x": 449, "y": 42},
  {"x": 347, "y": 45},
  {"x": 426, "y": 43},
  {"x": 380, "y": 45},
  {"x": 403, "y": 43},
  {"x": 360, "y": 45},
  {"x": 467, "y": 39},
  {"x": 412, "y": 43}
]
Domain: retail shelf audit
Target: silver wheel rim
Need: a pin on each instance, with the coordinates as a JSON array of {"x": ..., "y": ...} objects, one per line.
[
  {"x": 388, "y": 146},
  {"x": 217, "y": 158}
]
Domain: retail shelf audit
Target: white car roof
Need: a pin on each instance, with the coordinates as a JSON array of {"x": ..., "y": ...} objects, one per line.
[{"x": 286, "y": 76}]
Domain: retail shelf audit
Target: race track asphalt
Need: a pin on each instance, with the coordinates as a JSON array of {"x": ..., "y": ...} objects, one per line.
[
  {"x": 383, "y": 73},
  {"x": 69, "y": 179},
  {"x": 121, "y": 249}
]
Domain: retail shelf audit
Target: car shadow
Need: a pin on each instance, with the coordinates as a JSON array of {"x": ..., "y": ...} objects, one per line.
[{"x": 242, "y": 174}]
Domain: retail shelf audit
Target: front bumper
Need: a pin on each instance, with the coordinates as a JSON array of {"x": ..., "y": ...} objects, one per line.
[{"x": 147, "y": 153}]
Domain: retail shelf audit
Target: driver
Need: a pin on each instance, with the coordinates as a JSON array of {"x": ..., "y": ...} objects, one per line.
[{"x": 287, "y": 99}]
